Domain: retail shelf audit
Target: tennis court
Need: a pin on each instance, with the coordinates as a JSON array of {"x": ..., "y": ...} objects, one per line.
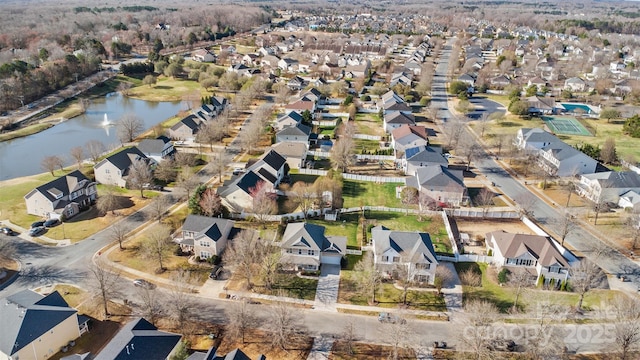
[{"x": 565, "y": 125}]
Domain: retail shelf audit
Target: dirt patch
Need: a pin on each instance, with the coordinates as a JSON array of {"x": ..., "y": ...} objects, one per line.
[
  {"x": 478, "y": 228},
  {"x": 259, "y": 342},
  {"x": 361, "y": 351}
]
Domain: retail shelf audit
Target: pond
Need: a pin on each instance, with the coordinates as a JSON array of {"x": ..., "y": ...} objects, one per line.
[{"x": 23, "y": 156}]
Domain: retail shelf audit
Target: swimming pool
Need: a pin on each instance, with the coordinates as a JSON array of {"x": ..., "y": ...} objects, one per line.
[{"x": 572, "y": 107}]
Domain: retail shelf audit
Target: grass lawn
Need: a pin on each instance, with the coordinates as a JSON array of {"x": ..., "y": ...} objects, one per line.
[
  {"x": 258, "y": 342},
  {"x": 403, "y": 222},
  {"x": 286, "y": 284},
  {"x": 625, "y": 144},
  {"x": 133, "y": 257},
  {"x": 167, "y": 89},
  {"x": 25, "y": 131},
  {"x": 360, "y": 193},
  {"x": 387, "y": 295},
  {"x": 295, "y": 177},
  {"x": 503, "y": 297},
  {"x": 347, "y": 226},
  {"x": 361, "y": 145}
]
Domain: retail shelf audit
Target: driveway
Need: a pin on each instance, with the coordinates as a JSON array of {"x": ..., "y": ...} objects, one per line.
[{"x": 327, "y": 290}]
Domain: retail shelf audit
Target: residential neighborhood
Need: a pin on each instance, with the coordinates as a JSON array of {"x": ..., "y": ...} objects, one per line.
[{"x": 270, "y": 181}]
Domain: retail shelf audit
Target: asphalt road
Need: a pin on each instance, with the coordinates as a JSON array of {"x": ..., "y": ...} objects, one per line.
[
  {"x": 43, "y": 265},
  {"x": 580, "y": 239}
]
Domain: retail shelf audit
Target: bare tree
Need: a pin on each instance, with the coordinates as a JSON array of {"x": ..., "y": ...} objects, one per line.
[
  {"x": 264, "y": 202},
  {"x": 409, "y": 196},
  {"x": 157, "y": 245},
  {"x": 187, "y": 180},
  {"x": 118, "y": 233},
  {"x": 566, "y": 223},
  {"x": 212, "y": 132},
  {"x": 404, "y": 276},
  {"x": 210, "y": 203},
  {"x": 398, "y": 334},
  {"x": 284, "y": 325},
  {"x": 585, "y": 275},
  {"x": 166, "y": 170},
  {"x": 185, "y": 159},
  {"x": 104, "y": 283},
  {"x": 270, "y": 264},
  {"x": 152, "y": 304},
  {"x": 625, "y": 311},
  {"x": 599, "y": 206},
  {"x": 453, "y": 130},
  {"x": 608, "y": 153},
  {"x": 107, "y": 202},
  {"x": 545, "y": 336},
  {"x": 219, "y": 162},
  {"x": 525, "y": 203},
  {"x": 180, "y": 303},
  {"x": 469, "y": 150},
  {"x": 484, "y": 199},
  {"x": 478, "y": 333},
  {"x": 244, "y": 253},
  {"x": 129, "y": 127},
  {"x": 499, "y": 142},
  {"x": 519, "y": 279},
  {"x": 77, "y": 153},
  {"x": 442, "y": 276},
  {"x": 251, "y": 134},
  {"x": 304, "y": 195},
  {"x": 95, "y": 149},
  {"x": 7, "y": 251},
  {"x": 348, "y": 336},
  {"x": 368, "y": 277},
  {"x": 51, "y": 163},
  {"x": 159, "y": 206},
  {"x": 342, "y": 153},
  {"x": 242, "y": 318},
  {"x": 632, "y": 224},
  {"x": 569, "y": 188},
  {"x": 140, "y": 175}
]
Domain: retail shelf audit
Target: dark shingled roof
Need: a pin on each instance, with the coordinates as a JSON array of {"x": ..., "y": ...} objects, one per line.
[
  {"x": 63, "y": 185},
  {"x": 28, "y": 315},
  {"x": 123, "y": 159},
  {"x": 139, "y": 340}
]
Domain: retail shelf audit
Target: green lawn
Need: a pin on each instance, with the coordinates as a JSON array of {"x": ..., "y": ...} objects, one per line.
[
  {"x": 361, "y": 145},
  {"x": 25, "y": 131},
  {"x": 167, "y": 89},
  {"x": 347, "y": 226},
  {"x": 295, "y": 177},
  {"x": 290, "y": 285},
  {"x": 503, "y": 296},
  {"x": 387, "y": 295},
  {"x": 359, "y": 193},
  {"x": 403, "y": 222}
]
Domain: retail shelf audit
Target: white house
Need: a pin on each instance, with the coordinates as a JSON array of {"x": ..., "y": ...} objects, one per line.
[
  {"x": 114, "y": 170},
  {"x": 305, "y": 247},
  {"x": 156, "y": 149},
  {"x": 205, "y": 236},
  {"x": 561, "y": 159},
  {"x": 66, "y": 195},
  {"x": 443, "y": 185},
  {"x": 608, "y": 186},
  {"x": 532, "y": 140},
  {"x": 411, "y": 250},
  {"x": 538, "y": 254},
  {"x": 203, "y": 55}
]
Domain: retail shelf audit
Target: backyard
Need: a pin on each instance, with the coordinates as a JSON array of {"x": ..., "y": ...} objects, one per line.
[
  {"x": 360, "y": 193},
  {"x": 503, "y": 296}
]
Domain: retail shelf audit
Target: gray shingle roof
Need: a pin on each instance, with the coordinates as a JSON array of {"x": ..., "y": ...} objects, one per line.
[
  {"x": 123, "y": 159},
  {"x": 63, "y": 185},
  {"x": 28, "y": 315},
  {"x": 139, "y": 340},
  {"x": 309, "y": 235},
  {"x": 438, "y": 176},
  {"x": 151, "y": 146},
  {"x": 211, "y": 227},
  {"x": 540, "y": 247},
  {"x": 413, "y": 246},
  {"x": 296, "y": 130}
]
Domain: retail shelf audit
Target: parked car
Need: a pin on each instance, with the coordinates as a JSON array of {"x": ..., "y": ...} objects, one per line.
[
  {"x": 238, "y": 171},
  {"x": 51, "y": 223},
  {"x": 143, "y": 284},
  {"x": 390, "y": 318},
  {"x": 36, "y": 231},
  {"x": 216, "y": 272},
  {"x": 8, "y": 231},
  {"x": 37, "y": 224}
]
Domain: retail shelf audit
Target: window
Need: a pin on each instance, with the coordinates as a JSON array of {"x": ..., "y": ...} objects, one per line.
[
  {"x": 289, "y": 251},
  {"x": 107, "y": 171},
  {"x": 204, "y": 243},
  {"x": 385, "y": 259},
  {"x": 421, "y": 266},
  {"x": 311, "y": 252},
  {"x": 396, "y": 259},
  {"x": 299, "y": 251},
  {"x": 421, "y": 278},
  {"x": 205, "y": 254}
]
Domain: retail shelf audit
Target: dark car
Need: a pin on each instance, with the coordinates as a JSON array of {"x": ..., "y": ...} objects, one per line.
[
  {"x": 38, "y": 230},
  {"x": 216, "y": 272},
  {"x": 51, "y": 223},
  {"x": 143, "y": 284},
  {"x": 8, "y": 231},
  {"x": 37, "y": 224}
]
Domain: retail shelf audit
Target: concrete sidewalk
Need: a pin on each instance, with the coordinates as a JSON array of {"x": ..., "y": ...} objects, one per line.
[{"x": 321, "y": 348}]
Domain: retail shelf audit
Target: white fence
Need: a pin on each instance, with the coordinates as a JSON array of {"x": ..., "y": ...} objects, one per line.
[
  {"x": 630, "y": 166},
  {"x": 319, "y": 154},
  {"x": 501, "y": 213},
  {"x": 378, "y": 179},
  {"x": 325, "y": 122},
  {"x": 375, "y": 157},
  {"x": 475, "y": 258},
  {"x": 367, "y": 137},
  {"x": 353, "y": 252}
]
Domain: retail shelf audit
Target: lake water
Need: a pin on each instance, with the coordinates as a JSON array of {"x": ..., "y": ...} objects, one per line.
[{"x": 22, "y": 156}]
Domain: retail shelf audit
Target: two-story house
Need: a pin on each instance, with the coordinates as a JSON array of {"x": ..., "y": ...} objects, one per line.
[
  {"x": 443, "y": 185},
  {"x": 35, "y": 327},
  {"x": 296, "y": 133},
  {"x": 236, "y": 194},
  {"x": 561, "y": 159},
  {"x": 205, "y": 236},
  {"x": 390, "y": 101},
  {"x": 608, "y": 186},
  {"x": 532, "y": 140},
  {"x": 421, "y": 156},
  {"x": 395, "y": 119},
  {"x": 413, "y": 250},
  {"x": 114, "y": 169},
  {"x": 271, "y": 167},
  {"x": 305, "y": 247},
  {"x": 291, "y": 118},
  {"x": 186, "y": 128},
  {"x": 64, "y": 196},
  {"x": 538, "y": 254},
  {"x": 408, "y": 136},
  {"x": 294, "y": 152},
  {"x": 156, "y": 149},
  {"x": 203, "y": 55}
]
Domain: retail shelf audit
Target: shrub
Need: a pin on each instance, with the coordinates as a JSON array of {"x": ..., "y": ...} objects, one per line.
[
  {"x": 631, "y": 126},
  {"x": 503, "y": 276}
]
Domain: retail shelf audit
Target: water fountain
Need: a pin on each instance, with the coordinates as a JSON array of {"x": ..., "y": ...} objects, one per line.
[{"x": 105, "y": 121}]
